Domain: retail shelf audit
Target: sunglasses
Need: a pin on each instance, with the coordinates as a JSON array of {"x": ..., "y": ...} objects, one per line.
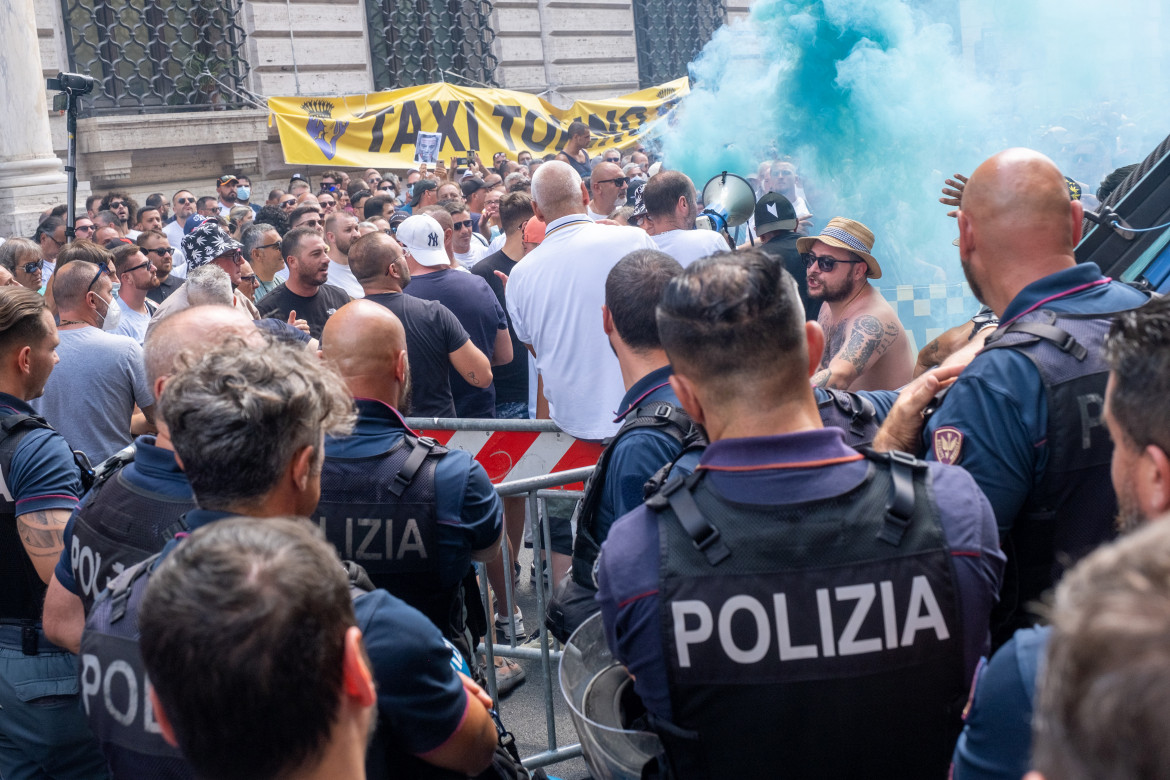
[
  {"x": 325, "y": 203},
  {"x": 617, "y": 159},
  {"x": 386, "y": 188},
  {"x": 163, "y": 250},
  {"x": 460, "y": 225},
  {"x": 328, "y": 187},
  {"x": 139, "y": 267},
  {"x": 827, "y": 264},
  {"x": 117, "y": 204},
  {"x": 84, "y": 228},
  {"x": 185, "y": 201},
  {"x": 620, "y": 181},
  {"x": 235, "y": 255},
  {"x": 269, "y": 246},
  {"x": 250, "y": 279},
  {"x": 33, "y": 267},
  {"x": 102, "y": 269},
  {"x": 313, "y": 223},
  {"x": 286, "y": 203}
]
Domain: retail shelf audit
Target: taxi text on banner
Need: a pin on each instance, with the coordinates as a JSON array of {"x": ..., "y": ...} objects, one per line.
[{"x": 380, "y": 129}]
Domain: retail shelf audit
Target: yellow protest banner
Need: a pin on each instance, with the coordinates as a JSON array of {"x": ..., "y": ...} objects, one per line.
[{"x": 381, "y": 129}]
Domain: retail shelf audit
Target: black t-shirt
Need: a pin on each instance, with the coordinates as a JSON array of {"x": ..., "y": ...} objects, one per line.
[
  {"x": 511, "y": 380},
  {"x": 279, "y": 303},
  {"x": 783, "y": 247},
  {"x": 168, "y": 286},
  {"x": 432, "y": 334}
]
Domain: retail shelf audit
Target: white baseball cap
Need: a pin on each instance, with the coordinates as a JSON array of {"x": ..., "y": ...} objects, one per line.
[{"x": 422, "y": 235}]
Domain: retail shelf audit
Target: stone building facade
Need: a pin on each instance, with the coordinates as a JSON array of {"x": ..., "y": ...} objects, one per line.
[{"x": 161, "y": 127}]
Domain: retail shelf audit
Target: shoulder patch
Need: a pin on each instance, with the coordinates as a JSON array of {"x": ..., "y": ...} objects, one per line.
[{"x": 948, "y": 445}]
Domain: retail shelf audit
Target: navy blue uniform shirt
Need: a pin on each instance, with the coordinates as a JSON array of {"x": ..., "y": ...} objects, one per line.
[
  {"x": 470, "y": 514},
  {"x": 793, "y": 468},
  {"x": 998, "y": 405}
]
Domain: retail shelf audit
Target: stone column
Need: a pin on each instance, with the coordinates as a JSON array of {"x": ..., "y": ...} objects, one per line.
[{"x": 32, "y": 178}]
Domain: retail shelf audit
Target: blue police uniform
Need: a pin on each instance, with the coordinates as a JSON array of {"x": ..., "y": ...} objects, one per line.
[
  {"x": 468, "y": 511},
  {"x": 42, "y": 729},
  {"x": 995, "y": 422},
  {"x": 153, "y": 477},
  {"x": 996, "y": 743},
  {"x": 638, "y": 454},
  {"x": 786, "y": 473}
]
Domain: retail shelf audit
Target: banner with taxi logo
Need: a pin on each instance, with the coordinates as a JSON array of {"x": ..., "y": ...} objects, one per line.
[{"x": 382, "y": 129}]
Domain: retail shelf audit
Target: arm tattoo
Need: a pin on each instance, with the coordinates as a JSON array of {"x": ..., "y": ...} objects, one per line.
[
  {"x": 864, "y": 339},
  {"x": 42, "y": 534},
  {"x": 822, "y": 378}
]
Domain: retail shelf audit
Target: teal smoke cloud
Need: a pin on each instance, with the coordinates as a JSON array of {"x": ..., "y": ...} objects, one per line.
[{"x": 876, "y": 101}]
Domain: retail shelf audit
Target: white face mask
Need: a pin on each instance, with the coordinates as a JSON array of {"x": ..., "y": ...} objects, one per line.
[{"x": 113, "y": 316}]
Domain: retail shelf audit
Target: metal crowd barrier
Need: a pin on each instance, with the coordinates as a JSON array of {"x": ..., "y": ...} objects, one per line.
[{"x": 542, "y": 462}]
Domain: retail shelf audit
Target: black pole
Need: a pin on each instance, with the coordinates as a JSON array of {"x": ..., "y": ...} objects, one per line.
[{"x": 71, "y": 162}]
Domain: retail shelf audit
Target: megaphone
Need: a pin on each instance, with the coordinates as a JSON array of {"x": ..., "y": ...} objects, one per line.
[{"x": 728, "y": 200}]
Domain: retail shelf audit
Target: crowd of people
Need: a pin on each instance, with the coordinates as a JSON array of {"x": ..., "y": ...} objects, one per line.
[{"x": 803, "y": 538}]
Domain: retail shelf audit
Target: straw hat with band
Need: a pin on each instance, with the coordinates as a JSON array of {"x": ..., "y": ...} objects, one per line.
[{"x": 846, "y": 234}]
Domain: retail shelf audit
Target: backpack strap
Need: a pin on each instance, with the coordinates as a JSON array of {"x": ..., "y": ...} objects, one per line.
[
  {"x": 678, "y": 494},
  {"x": 900, "y": 505},
  {"x": 422, "y": 447}
]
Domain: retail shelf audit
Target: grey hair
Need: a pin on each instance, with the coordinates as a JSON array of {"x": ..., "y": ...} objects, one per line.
[
  {"x": 15, "y": 248},
  {"x": 237, "y": 416},
  {"x": 209, "y": 285},
  {"x": 254, "y": 236},
  {"x": 556, "y": 188}
]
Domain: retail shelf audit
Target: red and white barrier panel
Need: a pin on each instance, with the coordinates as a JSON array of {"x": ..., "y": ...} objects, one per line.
[{"x": 512, "y": 455}]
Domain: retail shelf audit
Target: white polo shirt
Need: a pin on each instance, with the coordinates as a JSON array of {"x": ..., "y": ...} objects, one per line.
[
  {"x": 554, "y": 298},
  {"x": 687, "y": 246},
  {"x": 174, "y": 233}
]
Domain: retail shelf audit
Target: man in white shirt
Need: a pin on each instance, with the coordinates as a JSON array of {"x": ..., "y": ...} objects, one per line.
[
  {"x": 554, "y": 298},
  {"x": 341, "y": 230},
  {"x": 135, "y": 273},
  {"x": 182, "y": 206},
  {"x": 669, "y": 198}
]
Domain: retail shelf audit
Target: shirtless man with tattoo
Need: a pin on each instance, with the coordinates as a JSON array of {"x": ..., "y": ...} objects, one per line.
[{"x": 866, "y": 347}]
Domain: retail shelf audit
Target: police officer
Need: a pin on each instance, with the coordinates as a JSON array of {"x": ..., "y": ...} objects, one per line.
[
  {"x": 654, "y": 426},
  {"x": 42, "y": 730},
  {"x": 1025, "y": 418},
  {"x": 793, "y": 603},
  {"x": 413, "y": 514},
  {"x": 247, "y": 426},
  {"x": 138, "y": 504}
]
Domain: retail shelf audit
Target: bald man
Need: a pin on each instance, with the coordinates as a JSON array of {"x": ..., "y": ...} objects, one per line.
[
  {"x": 148, "y": 486},
  {"x": 425, "y": 513},
  {"x": 608, "y": 185},
  {"x": 1026, "y": 416}
]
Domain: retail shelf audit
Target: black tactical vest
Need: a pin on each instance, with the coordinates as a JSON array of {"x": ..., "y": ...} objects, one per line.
[
  {"x": 379, "y": 511},
  {"x": 119, "y": 525},
  {"x": 814, "y": 640},
  {"x": 1072, "y": 509},
  {"x": 659, "y": 415},
  {"x": 852, "y": 413},
  {"x": 22, "y": 593},
  {"x": 114, "y": 688}
]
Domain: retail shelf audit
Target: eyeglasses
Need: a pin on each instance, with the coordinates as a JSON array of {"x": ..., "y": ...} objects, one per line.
[
  {"x": 250, "y": 279},
  {"x": 619, "y": 182},
  {"x": 827, "y": 264},
  {"x": 102, "y": 269},
  {"x": 185, "y": 201},
  {"x": 269, "y": 246},
  {"x": 235, "y": 255},
  {"x": 33, "y": 267},
  {"x": 162, "y": 250},
  {"x": 284, "y": 204},
  {"x": 139, "y": 267},
  {"x": 313, "y": 223},
  {"x": 464, "y": 224}
]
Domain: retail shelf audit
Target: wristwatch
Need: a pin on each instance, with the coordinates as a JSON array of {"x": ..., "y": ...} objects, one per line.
[{"x": 984, "y": 318}]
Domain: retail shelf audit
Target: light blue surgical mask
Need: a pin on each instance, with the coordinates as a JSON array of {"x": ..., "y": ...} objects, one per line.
[{"x": 243, "y": 192}]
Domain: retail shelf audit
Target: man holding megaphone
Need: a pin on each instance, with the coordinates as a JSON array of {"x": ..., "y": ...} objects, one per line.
[{"x": 671, "y": 210}]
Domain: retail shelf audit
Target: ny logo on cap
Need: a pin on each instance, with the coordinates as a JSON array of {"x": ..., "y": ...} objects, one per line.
[{"x": 432, "y": 239}]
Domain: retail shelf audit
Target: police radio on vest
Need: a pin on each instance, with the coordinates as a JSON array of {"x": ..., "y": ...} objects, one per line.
[{"x": 694, "y": 623}]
